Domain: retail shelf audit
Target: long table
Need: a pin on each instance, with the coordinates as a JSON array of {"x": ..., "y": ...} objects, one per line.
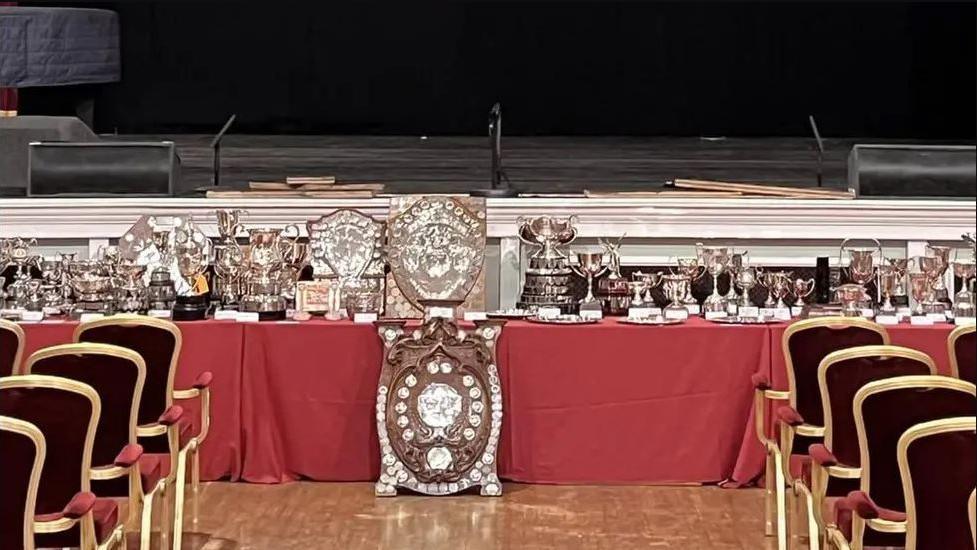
[{"x": 607, "y": 403}]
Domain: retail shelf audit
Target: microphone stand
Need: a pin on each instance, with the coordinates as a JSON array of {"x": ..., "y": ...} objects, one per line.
[
  {"x": 820, "y": 146},
  {"x": 216, "y": 146},
  {"x": 499, "y": 188}
]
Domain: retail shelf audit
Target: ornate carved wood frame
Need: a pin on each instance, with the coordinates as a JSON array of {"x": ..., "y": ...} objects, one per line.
[{"x": 439, "y": 408}]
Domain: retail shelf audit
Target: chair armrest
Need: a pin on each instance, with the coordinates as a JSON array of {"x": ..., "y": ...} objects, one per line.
[
  {"x": 760, "y": 381},
  {"x": 80, "y": 505},
  {"x": 789, "y": 416},
  {"x": 171, "y": 416},
  {"x": 202, "y": 382},
  {"x": 821, "y": 455},
  {"x": 863, "y": 505},
  {"x": 129, "y": 455}
]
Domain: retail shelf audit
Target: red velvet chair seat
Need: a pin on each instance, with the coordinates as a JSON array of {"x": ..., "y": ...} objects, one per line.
[{"x": 105, "y": 513}]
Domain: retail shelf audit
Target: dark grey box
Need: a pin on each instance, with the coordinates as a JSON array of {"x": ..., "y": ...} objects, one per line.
[{"x": 148, "y": 169}]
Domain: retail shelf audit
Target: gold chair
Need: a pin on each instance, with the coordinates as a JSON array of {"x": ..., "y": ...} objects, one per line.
[
  {"x": 962, "y": 349},
  {"x": 11, "y": 347},
  {"x": 875, "y": 514},
  {"x": 159, "y": 342},
  {"x": 972, "y": 512},
  {"x": 67, "y": 412},
  {"x": 938, "y": 465},
  {"x": 119, "y": 470},
  {"x": 23, "y": 457},
  {"x": 835, "y": 466},
  {"x": 804, "y": 344}
]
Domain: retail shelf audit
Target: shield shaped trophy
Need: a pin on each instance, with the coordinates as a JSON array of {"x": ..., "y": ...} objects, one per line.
[
  {"x": 439, "y": 398},
  {"x": 347, "y": 255}
]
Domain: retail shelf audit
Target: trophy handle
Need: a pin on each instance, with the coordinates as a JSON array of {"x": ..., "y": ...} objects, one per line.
[
  {"x": 577, "y": 271},
  {"x": 700, "y": 272},
  {"x": 810, "y": 288},
  {"x": 290, "y": 228}
]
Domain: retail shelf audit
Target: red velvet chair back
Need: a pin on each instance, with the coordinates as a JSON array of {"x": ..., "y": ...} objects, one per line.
[
  {"x": 22, "y": 448},
  {"x": 963, "y": 353},
  {"x": 66, "y": 412},
  {"x": 938, "y": 462},
  {"x": 158, "y": 342},
  {"x": 806, "y": 343},
  {"x": 117, "y": 374},
  {"x": 884, "y": 410},
  {"x": 843, "y": 373},
  {"x": 11, "y": 346}
]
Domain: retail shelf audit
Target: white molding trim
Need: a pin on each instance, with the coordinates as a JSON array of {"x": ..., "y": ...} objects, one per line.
[{"x": 678, "y": 218}]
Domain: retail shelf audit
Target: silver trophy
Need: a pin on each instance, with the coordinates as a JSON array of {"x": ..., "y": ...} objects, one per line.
[
  {"x": 738, "y": 261},
  {"x": 801, "y": 289},
  {"x": 264, "y": 259},
  {"x": 191, "y": 251},
  {"x": 888, "y": 283},
  {"x": 229, "y": 268},
  {"x": 861, "y": 263},
  {"x": 746, "y": 279},
  {"x": 590, "y": 265},
  {"x": 900, "y": 267},
  {"x": 850, "y": 295},
  {"x": 548, "y": 273},
  {"x": 92, "y": 286},
  {"x": 778, "y": 285},
  {"x": 676, "y": 286},
  {"x": 715, "y": 259},
  {"x": 921, "y": 286},
  {"x": 229, "y": 225},
  {"x": 932, "y": 268},
  {"x": 942, "y": 255},
  {"x": 693, "y": 270},
  {"x": 963, "y": 301},
  {"x": 132, "y": 291}
]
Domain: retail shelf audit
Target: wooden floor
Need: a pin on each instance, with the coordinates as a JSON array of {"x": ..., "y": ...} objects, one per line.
[
  {"x": 347, "y": 516},
  {"x": 533, "y": 164}
]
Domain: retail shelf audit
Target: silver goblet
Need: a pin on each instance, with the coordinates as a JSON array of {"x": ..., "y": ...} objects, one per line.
[
  {"x": 589, "y": 266},
  {"x": 802, "y": 289},
  {"x": 714, "y": 258}
]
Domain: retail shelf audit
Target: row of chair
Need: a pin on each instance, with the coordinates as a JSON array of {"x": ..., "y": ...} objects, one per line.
[
  {"x": 880, "y": 449},
  {"x": 86, "y": 423}
]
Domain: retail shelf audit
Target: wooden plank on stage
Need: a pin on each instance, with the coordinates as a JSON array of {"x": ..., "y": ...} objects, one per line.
[
  {"x": 282, "y": 186},
  {"x": 769, "y": 190},
  {"x": 301, "y": 180},
  {"x": 293, "y": 193},
  {"x": 659, "y": 194}
]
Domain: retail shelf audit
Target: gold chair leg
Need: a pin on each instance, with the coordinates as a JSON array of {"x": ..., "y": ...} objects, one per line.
[
  {"x": 781, "y": 494},
  {"x": 769, "y": 498},
  {"x": 146, "y": 527},
  {"x": 164, "y": 521},
  {"x": 195, "y": 483},
  {"x": 179, "y": 490},
  {"x": 813, "y": 527}
]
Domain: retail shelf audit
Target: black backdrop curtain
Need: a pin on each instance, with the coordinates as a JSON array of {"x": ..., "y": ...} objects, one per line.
[{"x": 620, "y": 68}]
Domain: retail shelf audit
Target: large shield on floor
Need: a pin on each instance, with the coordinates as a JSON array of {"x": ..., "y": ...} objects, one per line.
[{"x": 439, "y": 399}]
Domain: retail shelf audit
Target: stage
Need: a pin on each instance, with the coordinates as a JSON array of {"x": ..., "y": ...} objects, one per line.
[{"x": 457, "y": 164}]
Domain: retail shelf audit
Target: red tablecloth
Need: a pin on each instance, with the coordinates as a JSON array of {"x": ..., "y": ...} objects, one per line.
[{"x": 583, "y": 404}]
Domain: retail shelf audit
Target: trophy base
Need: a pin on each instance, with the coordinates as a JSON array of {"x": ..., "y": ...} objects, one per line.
[
  {"x": 190, "y": 308},
  {"x": 271, "y": 315}
]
